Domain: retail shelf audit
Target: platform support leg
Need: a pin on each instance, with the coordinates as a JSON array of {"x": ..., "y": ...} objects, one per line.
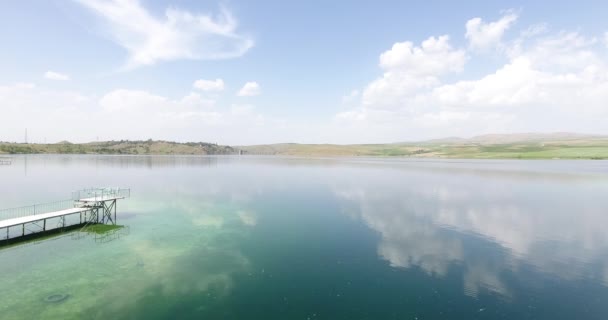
[{"x": 107, "y": 212}]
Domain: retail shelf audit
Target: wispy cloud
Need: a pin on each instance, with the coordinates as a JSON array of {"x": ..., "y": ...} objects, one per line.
[
  {"x": 250, "y": 89},
  {"x": 209, "y": 85},
  {"x": 51, "y": 75},
  {"x": 179, "y": 34},
  {"x": 484, "y": 36}
]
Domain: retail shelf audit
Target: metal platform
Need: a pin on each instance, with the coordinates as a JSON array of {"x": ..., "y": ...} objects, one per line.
[
  {"x": 95, "y": 205},
  {"x": 39, "y": 217}
]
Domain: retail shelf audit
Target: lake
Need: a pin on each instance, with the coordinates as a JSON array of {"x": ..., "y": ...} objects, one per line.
[{"x": 294, "y": 238}]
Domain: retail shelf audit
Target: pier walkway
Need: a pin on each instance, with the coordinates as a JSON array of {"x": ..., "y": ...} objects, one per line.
[{"x": 96, "y": 205}]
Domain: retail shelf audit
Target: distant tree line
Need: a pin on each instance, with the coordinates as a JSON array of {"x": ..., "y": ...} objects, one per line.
[{"x": 118, "y": 147}]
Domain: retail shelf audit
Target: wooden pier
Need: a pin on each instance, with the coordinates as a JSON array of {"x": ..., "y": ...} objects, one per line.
[{"x": 91, "y": 206}]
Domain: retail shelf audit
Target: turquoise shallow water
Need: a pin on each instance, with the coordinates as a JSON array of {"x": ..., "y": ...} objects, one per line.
[{"x": 288, "y": 238}]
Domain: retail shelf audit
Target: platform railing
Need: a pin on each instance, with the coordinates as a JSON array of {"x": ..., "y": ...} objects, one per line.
[
  {"x": 6, "y": 161},
  {"x": 36, "y": 209},
  {"x": 95, "y": 194}
]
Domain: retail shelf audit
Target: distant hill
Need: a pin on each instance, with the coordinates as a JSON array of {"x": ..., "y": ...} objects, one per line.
[
  {"x": 560, "y": 145},
  {"x": 518, "y": 138},
  {"x": 119, "y": 147},
  {"x": 447, "y": 140}
]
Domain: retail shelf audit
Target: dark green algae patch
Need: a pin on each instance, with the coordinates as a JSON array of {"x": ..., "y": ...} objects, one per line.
[{"x": 98, "y": 229}]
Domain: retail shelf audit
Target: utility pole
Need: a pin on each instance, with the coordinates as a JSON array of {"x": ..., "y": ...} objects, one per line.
[{"x": 25, "y": 135}]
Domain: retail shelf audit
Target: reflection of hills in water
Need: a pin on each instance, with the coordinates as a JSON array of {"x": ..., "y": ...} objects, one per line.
[
  {"x": 563, "y": 169},
  {"x": 127, "y": 161}
]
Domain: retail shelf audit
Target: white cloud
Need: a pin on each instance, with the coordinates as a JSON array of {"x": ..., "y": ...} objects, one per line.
[
  {"x": 209, "y": 85},
  {"x": 563, "y": 52},
  {"x": 535, "y": 30},
  {"x": 157, "y": 109},
  {"x": 51, "y": 75},
  {"x": 513, "y": 84},
  {"x": 250, "y": 89},
  {"x": 408, "y": 68},
  {"x": 484, "y": 36},
  {"x": 25, "y": 105},
  {"x": 547, "y": 82},
  {"x": 178, "y": 35},
  {"x": 195, "y": 100},
  {"x": 434, "y": 57},
  {"x": 129, "y": 100},
  {"x": 126, "y": 114},
  {"x": 560, "y": 73}
]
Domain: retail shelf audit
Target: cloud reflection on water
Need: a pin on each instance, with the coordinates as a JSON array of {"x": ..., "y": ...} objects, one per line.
[{"x": 433, "y": 221}]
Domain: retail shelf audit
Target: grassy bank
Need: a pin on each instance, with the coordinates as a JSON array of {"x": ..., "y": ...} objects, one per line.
[{"x": 571, "y": 149}]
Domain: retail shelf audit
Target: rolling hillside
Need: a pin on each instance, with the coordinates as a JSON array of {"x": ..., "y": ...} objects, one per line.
[
  {"x": 505, "y": 146},
  {"x": 491, "y": 146},
  {"x": 119, "y": 147}
]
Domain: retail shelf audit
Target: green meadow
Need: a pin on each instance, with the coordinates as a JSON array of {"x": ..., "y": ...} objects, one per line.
[{"x": 572, "y": 149}]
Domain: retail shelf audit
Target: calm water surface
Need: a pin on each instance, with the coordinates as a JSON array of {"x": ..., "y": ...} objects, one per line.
[{"x": 287, "y": 238}]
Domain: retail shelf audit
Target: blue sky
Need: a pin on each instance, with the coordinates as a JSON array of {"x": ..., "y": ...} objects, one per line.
[{"x": 318, "y": 71}]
